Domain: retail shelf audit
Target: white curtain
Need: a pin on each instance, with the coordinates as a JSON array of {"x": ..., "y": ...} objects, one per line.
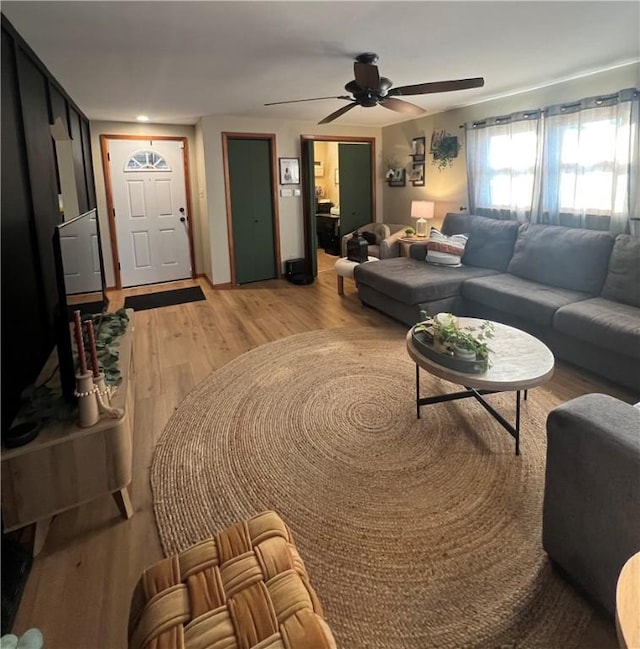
[
  {"x": 502, "y": 154},
  {"x": 590, "y": 163},
  {"x": 574, "y": 164}
]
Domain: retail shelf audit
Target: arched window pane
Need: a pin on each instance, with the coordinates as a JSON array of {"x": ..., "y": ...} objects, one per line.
[{"x": 146, "y": 161}]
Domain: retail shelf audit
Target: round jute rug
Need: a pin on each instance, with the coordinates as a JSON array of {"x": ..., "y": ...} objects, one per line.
[{"x": 416, "y": 533}]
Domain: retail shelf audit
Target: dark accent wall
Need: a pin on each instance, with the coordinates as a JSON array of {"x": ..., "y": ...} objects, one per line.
[{"x": 31, "y": 100}]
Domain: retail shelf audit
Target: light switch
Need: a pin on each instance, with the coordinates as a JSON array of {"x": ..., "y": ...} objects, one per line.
[
  {"x": 296, "y": 192},
  {"x": 286, "y": 192}
]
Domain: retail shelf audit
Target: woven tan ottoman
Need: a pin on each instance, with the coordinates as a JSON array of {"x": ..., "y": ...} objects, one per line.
[{"x": 245, "y": 588}]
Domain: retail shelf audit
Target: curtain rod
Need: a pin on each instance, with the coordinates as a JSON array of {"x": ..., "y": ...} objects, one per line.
[{"x": 598, "y": 100}]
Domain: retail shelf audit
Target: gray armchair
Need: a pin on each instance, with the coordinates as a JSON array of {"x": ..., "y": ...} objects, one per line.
[
  {"x": 591, "y": 512},
  {"x": 387, "y": 239}
]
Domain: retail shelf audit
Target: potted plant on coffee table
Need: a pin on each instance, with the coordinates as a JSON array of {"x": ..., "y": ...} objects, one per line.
[{"x": 450, "y": 339}]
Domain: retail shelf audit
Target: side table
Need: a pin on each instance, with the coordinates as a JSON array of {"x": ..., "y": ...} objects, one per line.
[
  {"x": 406, "y": 242},
  {"x": 66, "y": 466}
]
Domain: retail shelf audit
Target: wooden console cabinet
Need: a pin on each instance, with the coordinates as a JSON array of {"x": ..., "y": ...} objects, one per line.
[{"x": 66, "y": 466}]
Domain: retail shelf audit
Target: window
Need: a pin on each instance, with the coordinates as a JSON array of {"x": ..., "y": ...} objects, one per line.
[
  {"x": 591, "y": 155},
  {"x": 502, "y": 154},
  {"x": 512, "y": 162},
  {"x": 573, "y": 164},
  {"x": 146, "y": 161}
]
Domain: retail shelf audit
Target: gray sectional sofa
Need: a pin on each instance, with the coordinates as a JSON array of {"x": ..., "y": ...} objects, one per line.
[
  {"x": 591, "y": 512},
  {"x": 577, "y": 290}
]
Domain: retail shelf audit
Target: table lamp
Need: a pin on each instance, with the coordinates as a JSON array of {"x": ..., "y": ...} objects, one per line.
[{"x": 422, "y": 210}]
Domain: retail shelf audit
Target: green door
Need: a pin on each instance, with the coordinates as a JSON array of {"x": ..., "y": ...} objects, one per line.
[
  {"x": 356, "y": 207},
  {"x": 310, "y": 233},
  {"x": 250, "y": 187}
]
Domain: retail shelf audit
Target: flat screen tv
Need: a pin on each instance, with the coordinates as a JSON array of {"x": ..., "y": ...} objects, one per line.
[{"x": 81, "y": 285}]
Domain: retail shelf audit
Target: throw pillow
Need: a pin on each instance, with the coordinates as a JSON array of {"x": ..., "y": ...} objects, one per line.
[
  {"x": 369, "y": 237},
  {"x": 443, "y": 250}
]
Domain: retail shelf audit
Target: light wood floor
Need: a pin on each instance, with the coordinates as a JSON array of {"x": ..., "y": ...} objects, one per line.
[{"x": 79, "y": 589}]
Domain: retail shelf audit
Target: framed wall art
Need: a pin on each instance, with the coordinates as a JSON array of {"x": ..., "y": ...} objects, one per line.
[
  {"x": 397, "y": 177},
  {"x": 417, "y": 174},
  {"x": 418, "y": 145},
  {"x": 289, "y": 171}
]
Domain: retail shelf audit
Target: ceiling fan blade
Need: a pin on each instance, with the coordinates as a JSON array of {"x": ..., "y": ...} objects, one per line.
[
  {"x": 401, "y": 106},
  {"x": 367, "y": 75},
  {"x": 337, "y": 114},
  {"x": 437, "y": 86},
  {"x": 296, "y": 101}
]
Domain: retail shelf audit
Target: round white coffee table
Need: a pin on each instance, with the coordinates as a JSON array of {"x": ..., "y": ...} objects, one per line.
[
  {"x": 519, "y": 361},
  {"x": 344, "y": 268},
  {"x": 628, "y": 603}
]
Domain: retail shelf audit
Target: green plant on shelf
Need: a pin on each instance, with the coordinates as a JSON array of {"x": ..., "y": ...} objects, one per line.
[
  {"x": 409, "y": 231},
  {"x": 444, "y": 148}
]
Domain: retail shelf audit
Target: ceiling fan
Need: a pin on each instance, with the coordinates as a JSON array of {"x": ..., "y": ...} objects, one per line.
[{"x": 370, "y": 89}]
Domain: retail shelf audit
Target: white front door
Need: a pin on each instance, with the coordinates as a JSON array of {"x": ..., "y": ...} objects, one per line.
[{"x": 150, "y": 204}]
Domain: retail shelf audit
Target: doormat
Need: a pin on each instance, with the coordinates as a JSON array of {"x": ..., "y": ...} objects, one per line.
[
  {"x": 86, "y": 308},
  {"x": 164, "y": 298}
]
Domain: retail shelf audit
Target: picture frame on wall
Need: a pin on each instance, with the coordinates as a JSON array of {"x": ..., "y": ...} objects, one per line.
[
  {"x": 289, "y": 171},
  {"x": 417, "y": 174},
  {"x": 418, "y": 149},
  {"x": 397, "y": 177},
  {"x": 318, "y": 168}
]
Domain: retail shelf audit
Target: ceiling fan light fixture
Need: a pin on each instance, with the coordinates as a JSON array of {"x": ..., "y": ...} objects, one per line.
[
  {"x": 352, "y": 87},
  {"x": 369, "y": 89},
  {"x": 367, "y": 99},
  {"x": 384, "y": 86}
]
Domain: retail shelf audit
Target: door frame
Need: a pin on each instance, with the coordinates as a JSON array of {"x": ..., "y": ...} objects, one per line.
[
  {"x": 306, "y": 207},
  {"x": 104, "y": 148},
  {"x": 271, "y": 138}
]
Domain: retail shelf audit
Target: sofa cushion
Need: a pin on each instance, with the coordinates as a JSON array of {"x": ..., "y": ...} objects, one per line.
[
  {"x": 455, "y": 223},
  {"x": 490, "y": 243},
  {"x": 570, "y": 258},
  {"x": 623, "y": 279},
  {"x": 411, "y": 281},
  {"x": 529, "y": 300},
  {"x": 603, "y": 323},
  {"x": 373, "y": 251}
]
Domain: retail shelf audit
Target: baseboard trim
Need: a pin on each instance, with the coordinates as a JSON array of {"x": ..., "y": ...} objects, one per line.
[{"x": 211, "y": 284}]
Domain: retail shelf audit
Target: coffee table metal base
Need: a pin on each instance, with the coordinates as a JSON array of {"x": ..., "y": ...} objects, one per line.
[{"x": 514, "y": 431}]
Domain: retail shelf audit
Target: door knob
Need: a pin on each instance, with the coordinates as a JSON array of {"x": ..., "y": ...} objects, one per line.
[{"x": 183, "y": 219}]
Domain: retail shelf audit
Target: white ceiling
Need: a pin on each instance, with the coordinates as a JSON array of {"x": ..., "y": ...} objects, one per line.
[{"x": 177, "y": 61}]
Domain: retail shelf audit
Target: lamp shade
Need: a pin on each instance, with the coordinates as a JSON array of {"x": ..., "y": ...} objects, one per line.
[{"x": 422, "y": 210}]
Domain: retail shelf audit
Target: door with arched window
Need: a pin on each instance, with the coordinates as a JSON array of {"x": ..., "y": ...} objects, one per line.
[{"x": 149, "y": 203}]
